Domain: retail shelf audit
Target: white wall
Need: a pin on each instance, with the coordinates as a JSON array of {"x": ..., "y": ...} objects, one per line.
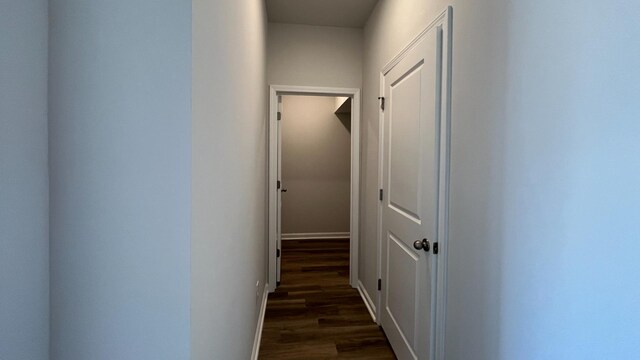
[
  {"x": 120, "y": 135},
  {"x": 544, "y": 194},
  {"x": 316, "y": 166},
  {"x": 314, "y": 56},
  {"x": 24, "y": 211},
  {"x": 228, "y": 176}
]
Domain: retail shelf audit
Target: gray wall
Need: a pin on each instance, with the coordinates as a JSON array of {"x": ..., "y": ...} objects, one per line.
[
  {"x": 228, "y": 269},
  {"x": 120, "y": 135},
  {"x": 316, "y": 166},
  {"x": 314, "y": 56},
  {"x": 24, "y": 211},
  {"x": 544, "y": 194}
]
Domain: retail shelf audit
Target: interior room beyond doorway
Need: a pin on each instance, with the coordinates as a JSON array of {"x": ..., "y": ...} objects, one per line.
[
  {"x": 315, "y": 310},
  {"x": 315, "y": 167},
  {"x": 314, "y": 162}
]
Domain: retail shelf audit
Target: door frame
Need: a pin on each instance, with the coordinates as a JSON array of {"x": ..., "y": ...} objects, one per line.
[
  {"x": 354, "y": 93},
  {"x": 445, "y": 21}
]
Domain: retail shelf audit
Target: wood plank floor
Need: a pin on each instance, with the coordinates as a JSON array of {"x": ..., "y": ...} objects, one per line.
[{"x": 315, "y": 313}]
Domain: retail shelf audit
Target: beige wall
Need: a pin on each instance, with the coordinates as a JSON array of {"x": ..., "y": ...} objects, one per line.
[
  {"x": 544, "y": 117},
  {"x": 339, "y": 100},
  {"x": 314, "y": 56},
  {"x": 315, "y": 166},
  {"x": 391, "y": 26},
  {"x": 229, "y": 132},
  {"x": 473, "y": 329},
  {"x": 544, "y": 122}
]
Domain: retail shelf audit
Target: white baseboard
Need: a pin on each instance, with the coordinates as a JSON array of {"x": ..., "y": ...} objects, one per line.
[
  {"x": 367, "y": 300},
  {"x": 318, "y": 235},
  {"x": 258, "y": 337}
]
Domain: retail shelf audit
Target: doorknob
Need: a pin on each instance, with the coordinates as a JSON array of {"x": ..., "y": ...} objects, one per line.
[
  {"x": 284, "y": 190},
  {"x": 422, "y": 244}
]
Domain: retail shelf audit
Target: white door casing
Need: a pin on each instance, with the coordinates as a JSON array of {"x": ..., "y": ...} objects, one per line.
[
  {"x": 415, "y": 132},
  {"x": 279, "y": 193},
  {"x": 275, "y": 92}
]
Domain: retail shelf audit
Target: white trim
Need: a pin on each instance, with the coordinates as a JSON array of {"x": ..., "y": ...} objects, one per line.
[
  {"x": 274, "y": 92},
  {"x": 380, "y": 186},
  {"x": 313, "y": 90},
  {"x": 313, "y": 236},
  {"x": 354, "y": 228},
  {"x": 445, "y": 20},
  {"x": 258, "y": 336},
  {"x": 441, "y": 18},
  {"x": 273, "y": 179},
  {"x": 367, "y": 301},
  {"x": 443, "y": 191}
]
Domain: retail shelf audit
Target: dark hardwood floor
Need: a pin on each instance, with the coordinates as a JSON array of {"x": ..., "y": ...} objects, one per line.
[{"x": 315, "y": 313}]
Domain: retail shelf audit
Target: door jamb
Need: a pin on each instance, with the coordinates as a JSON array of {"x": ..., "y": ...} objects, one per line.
[
  {"x": 445, "y": 20},
  {"x": 354, "y": 93}
]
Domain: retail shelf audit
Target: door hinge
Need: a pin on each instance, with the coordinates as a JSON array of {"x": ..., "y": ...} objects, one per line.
[
  {"x": 381, "y": 98},
  {"x": 277, "y": 252},
  {"x": 435, "y": 248},
  {"x": 379, "y": 284},
  {"x": 278, "y": 185},
  {"x": 279, "y": 115},
  {"x": 381, "y": 195}
]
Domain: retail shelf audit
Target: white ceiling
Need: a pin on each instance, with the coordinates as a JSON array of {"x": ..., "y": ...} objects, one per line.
[{"x": 345, "y": 13}]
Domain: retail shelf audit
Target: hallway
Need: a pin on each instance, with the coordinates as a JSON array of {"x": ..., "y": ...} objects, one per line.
[
  {"x": 483, "y": 157},
  {"x": 314, "y": 313}
]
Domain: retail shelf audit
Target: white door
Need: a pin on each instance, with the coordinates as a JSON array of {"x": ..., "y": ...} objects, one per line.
[
  {"x": 411, "y": 157},
  {"x": 279, "y": 194}
]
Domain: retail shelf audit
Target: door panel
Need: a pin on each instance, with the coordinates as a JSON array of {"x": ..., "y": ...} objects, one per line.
[
  {"x": 404, "y": 145},
  {"x": 401, "y": 297},
  {"x": 410, "y": 211}
]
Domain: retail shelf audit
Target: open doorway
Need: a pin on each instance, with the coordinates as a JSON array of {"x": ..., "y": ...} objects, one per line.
[
  {"x": 315, "y": 140},
  {"x": 314, "y": 311},
  {"x": 312, "y": 195},
  {"x": 315, "y": 176}
]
